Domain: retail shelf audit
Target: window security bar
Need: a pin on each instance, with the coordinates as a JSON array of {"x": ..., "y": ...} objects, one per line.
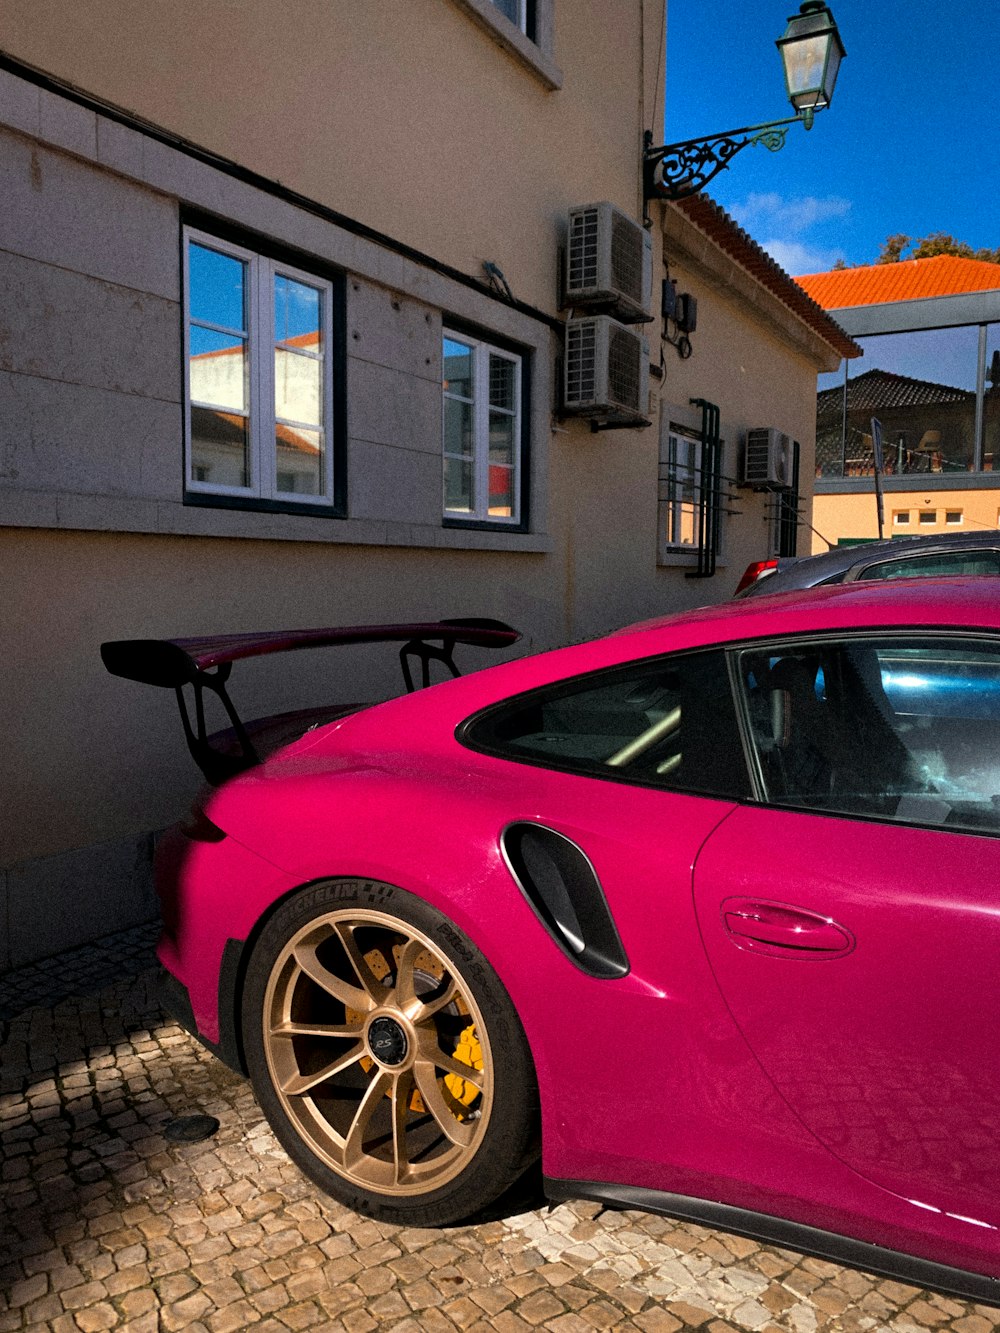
[{"x": 710, "y": 492}]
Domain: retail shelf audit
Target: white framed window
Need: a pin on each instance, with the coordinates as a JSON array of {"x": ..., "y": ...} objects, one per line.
[
  {"x": 258, "y": 377},
  {"x": 524, "y": 29},
  {"x": 680, "y": 490},
  {"x": 516, "y": 11},
  {"x": 927, "y": 517},
  {"x": 953, "y": 517},
  {"x": 689, "y": 508},
  {"x": 901, "y": 518},
  {"x": 481, "y": 436}
]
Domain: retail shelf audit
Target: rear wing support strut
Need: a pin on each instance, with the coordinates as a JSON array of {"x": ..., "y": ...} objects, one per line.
[{"x": 207, "y": 663}]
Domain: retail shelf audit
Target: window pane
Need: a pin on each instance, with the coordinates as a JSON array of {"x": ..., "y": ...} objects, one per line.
[
  {"x": 218, "y": 370},
  {"x": 300, "y": 461},
  {"x": 682, "y": 486},
  {"x": 219, "y": 448},
  {"x": 297, "y": 312},
  {"x": 457, "y": 368},
  {"x": 501, "y": 502},
  {"x": 457, "y": 428},
  {"x": 298, "y": 387},
  {"x": 991, "y": 403},
  {"x": 901, "y": 731},
  {"x": 481, "y": 404},
  {"x": 218, "y": 288},
  {"x": 501, "y": 438},
  {"x": 943, "y": 564},
  {"x": 502, "y": 383},
  {"x": 458, "y": 486},
  {"x": 666, "y": 724},
  {"x": 511, "y": 8},
  {"x": 922, "y": 387}
]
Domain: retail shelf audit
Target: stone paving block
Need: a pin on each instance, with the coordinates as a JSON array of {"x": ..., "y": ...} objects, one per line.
[
  {"x": 303, "y": 1315},
  {"x": 112, "y": 1222},
  {"x": 391, "y": 1306},
  {"x": 463, "y": 1312},
  {"x": 657, "y": 1321},
  {"x": 540, "y": 1307}
]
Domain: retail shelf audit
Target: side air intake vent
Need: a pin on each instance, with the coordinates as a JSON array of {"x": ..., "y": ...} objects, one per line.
[{"x": 562, "y": 889}]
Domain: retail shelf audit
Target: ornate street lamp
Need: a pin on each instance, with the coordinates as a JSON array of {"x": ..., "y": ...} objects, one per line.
[{"x": 811, "y": 50}]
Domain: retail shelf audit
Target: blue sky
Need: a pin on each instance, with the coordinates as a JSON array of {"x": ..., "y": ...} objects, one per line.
[{"x": 911, "y": 143}]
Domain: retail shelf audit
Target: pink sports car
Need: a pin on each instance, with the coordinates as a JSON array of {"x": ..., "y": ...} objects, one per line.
[{"x": 706, "y": 913}]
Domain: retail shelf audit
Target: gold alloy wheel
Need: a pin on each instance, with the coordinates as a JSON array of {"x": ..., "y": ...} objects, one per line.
[{"x": 366, "y": 1027}]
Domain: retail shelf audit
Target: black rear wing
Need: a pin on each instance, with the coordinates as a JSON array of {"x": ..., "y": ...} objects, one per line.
[{"x": 206, "y": 664}]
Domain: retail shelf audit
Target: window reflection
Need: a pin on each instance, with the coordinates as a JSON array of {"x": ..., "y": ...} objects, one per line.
[
  {"x": 991, "y": 401},
  {"x": 921, "y": 386}
]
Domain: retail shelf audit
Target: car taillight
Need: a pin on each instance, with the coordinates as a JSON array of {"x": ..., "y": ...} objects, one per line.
[{"x": 753, "y": 573}]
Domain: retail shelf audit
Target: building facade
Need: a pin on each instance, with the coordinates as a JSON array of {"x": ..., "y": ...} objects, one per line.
[
  {"x": 930, "y": 377},
  {"x": 282, "y": 344}
]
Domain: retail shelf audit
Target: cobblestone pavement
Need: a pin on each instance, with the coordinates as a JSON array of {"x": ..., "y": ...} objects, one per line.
[{"x": 105, "y": 1223}]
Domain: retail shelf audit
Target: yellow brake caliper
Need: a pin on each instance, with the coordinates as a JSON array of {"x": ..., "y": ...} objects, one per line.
[{"x": 467, "y": 1052}]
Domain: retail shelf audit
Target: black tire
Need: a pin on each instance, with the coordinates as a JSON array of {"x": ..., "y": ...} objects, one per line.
[{"x": 364, "y": 1014}]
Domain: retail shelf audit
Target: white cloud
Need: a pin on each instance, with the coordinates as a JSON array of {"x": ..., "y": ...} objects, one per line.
[
  {"x": 790, "y": 216},
  {"x": 796, "y": 258},
  {"x": 786, "y": 223}
]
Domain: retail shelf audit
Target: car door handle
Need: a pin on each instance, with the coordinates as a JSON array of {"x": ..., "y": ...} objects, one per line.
[{"x": 782, "y": 931}]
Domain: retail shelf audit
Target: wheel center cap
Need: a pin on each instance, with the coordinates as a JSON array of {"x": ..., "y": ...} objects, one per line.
[{"x": 387, "y": 1041}]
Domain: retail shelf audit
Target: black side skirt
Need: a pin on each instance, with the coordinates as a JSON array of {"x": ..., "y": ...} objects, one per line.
[
  {"x": 790, "y": 1235},
  {"x": 175, "y": 1001}
]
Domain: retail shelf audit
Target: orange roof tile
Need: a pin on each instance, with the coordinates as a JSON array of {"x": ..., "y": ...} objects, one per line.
[{"x": 907, "y": 280}]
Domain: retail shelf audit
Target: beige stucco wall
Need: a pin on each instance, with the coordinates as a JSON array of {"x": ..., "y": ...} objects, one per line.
[
  {"x": 856, "y": 515},
  {"x": 402, "y": 113},
  {"x": 433, "y": 134},
  {"x": 756, "y": 360}
]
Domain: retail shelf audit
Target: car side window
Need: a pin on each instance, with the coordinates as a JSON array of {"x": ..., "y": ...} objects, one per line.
[
  {"x": 941, "y": 562},
  {"x": 666, "y": 723},
  {"x": 902, "y": 729}
]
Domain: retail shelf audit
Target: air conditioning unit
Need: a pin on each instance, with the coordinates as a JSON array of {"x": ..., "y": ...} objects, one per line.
[
  {"x": 767, "y": 458},
  {"x": 605, "y": 370},
  {"x": 609, "y": 263}
]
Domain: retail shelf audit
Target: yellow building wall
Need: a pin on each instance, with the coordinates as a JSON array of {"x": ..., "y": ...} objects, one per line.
[{"x": 928, "y": 513}]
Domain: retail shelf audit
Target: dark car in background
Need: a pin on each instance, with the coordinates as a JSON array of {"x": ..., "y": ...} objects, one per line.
[{"x": 891, "y": 558}]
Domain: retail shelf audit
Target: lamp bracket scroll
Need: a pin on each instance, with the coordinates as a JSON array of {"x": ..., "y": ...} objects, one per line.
[
  {"x": 811, "y": 51},
  {"x": 677, "y": 170}
]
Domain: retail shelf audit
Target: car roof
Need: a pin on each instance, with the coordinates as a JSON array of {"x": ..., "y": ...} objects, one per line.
[
  {"x": 958, "y": 599},
  {"x": 810, "y": 570},
  {"x": 971, "y": 603}
]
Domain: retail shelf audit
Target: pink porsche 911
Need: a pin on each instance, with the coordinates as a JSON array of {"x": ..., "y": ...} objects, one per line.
[{"x": 705, "y": 913}]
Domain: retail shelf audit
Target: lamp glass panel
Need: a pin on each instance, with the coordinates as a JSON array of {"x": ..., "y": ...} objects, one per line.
[
  {"x": 805, "y": 59},
  {"x": 832, "y": 70}
]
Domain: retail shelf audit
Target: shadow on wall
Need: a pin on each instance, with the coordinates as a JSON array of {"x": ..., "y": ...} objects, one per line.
[{"x": 57, "y": 902}]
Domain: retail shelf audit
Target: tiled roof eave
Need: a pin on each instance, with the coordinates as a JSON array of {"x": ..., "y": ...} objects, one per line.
[{"x": 728, "y": 236}]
